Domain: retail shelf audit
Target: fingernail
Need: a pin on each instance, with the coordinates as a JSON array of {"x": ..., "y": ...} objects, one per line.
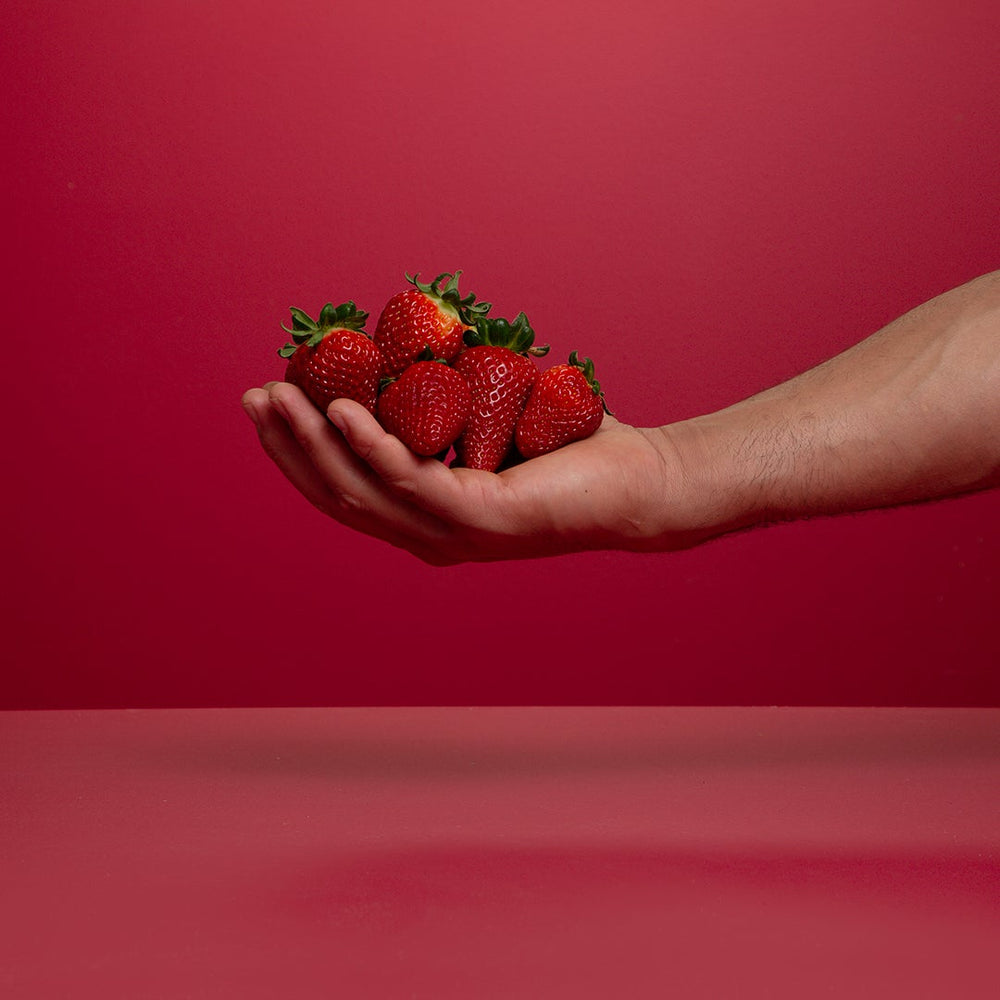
[
  {"x": 337, "y": 419},
  {"x": 251, "y": 412},
  {"x": 278, "y": 405}
]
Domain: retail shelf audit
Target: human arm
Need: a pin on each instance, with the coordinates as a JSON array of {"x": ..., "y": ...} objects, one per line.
[{"x": 912, "y": 413}]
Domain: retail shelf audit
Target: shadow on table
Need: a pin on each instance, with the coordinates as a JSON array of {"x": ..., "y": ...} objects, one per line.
[{"x": 399, "y": 743}]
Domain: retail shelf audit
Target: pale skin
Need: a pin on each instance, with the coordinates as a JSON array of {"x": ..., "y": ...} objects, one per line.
[{"x": 912, "y": 413}]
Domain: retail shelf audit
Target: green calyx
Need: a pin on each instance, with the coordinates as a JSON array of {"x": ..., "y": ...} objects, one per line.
[
  {"x": 425, "y": 355},
  {"x": 587, "y": 367},
  {"x": 306, "y": 330},
  {"x": 467, "y": 308},
  {"x": 517, "y": 336}
]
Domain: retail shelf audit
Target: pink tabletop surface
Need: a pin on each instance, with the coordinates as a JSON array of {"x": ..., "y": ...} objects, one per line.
[{"x": 481, "y": 853}]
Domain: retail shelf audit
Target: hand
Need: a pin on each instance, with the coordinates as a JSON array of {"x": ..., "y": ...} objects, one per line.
[
  {"x": 911, "y": 413},
  {"x": 611, "y": 490}
]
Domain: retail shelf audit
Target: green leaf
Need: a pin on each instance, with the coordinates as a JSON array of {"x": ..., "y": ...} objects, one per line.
[
  {"x": 517, "y": 336},
  {"x": 587, "y": 367},
  {"x": 302, "y": 320},
  {"x": 298, "y": 335},
  {"x": 449, "y": 294}
]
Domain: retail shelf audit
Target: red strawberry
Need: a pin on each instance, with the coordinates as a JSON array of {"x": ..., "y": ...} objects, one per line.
[
  {"x": 427, "y": 407},
  {"x": 425, "y": 316},
  {"x": 500, "y": 374},
  {"x": 566, "y": 404},
  {"x": 333, "y": 358}
]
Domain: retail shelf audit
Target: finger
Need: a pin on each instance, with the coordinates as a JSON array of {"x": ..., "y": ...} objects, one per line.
[
  {"x": 284, "y": 449},
  {"x": 423, "y": 482},
  {"x": 356, "y": 495},
  {"x": 254, "y": 401},
  {"x": 343, "y": 472}
]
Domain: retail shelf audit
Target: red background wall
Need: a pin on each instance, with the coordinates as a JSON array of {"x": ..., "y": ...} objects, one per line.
[{"x": 706, "y": 198}]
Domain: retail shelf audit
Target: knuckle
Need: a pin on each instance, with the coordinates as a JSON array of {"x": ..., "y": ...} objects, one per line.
[
  {"x": 348, "y": 503},
  {"x": 404, "y": 488},
  {"x": 343, "y": 507}
]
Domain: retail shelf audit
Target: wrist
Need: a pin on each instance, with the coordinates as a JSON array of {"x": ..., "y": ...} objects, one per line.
[{"x": 703, "y": 494}]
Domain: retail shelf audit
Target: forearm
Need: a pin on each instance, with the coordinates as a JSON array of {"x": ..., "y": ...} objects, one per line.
[{"x": 912, "y": 413}]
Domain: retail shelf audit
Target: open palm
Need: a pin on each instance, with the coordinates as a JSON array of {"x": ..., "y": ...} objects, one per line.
[{"x": 590, "y": 494}]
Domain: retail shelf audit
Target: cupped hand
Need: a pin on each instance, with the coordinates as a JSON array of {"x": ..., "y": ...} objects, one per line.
[{"x": 611, "y": 490}]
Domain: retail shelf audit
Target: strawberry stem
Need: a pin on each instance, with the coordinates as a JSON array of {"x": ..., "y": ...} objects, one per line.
[
  {"x": 587, "y": 367},
  {"x": 517, "y": 336},
  {"x": 465, "y": 306},
  {"x": 306, "y": 330}
]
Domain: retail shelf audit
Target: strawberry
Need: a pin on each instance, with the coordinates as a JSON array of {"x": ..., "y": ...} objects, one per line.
[
  {"x": 333, "y": 358},
  {"x": 427, "y": 407},
  {"x": 566, "y": 404},
  {"x": 500, "y": 374},
  {"x": 426, "y": 316}
]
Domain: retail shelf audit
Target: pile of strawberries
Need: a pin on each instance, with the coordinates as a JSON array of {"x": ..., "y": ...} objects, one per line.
[{"x": 439, "y": 373}]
